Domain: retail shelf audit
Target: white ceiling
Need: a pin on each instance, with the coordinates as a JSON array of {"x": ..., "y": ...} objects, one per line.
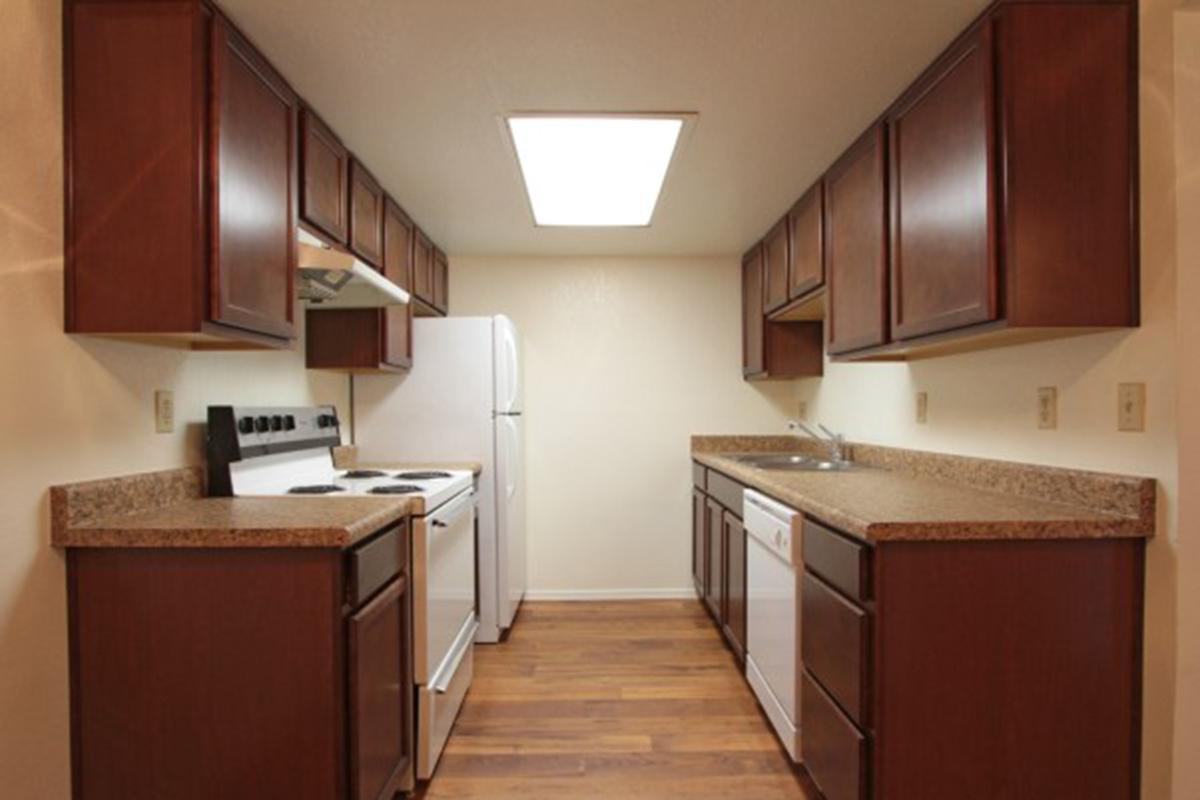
[{"x": 416, "y": 88}]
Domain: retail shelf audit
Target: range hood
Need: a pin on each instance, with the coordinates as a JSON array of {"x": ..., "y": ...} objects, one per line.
[{"x": 334, "y": 279}]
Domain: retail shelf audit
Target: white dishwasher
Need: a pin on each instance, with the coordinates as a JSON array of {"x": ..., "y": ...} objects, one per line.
[{"x": 773, "y": 568}]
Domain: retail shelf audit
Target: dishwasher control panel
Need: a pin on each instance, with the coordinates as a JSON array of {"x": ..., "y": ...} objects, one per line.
[{"x": 773, "y": 524}]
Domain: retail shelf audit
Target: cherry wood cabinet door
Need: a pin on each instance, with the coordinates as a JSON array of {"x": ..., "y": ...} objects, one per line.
[
  {"x": 398, "y": 238},
  {"x": 856, "y": 245},
  {"x": 324, "y": 176},
  {"x": 254, "y": 174},
  {"x": 423, "y": 268},
  {"x": 366, "y": 214},
  {"x": 380, "y": 693},
  {"x": 441, "y": 280},
  {"x": 714, "y": 585},
  {"x": 775, "y": 253},
  {"x": 753, "y": 322},
  {"x": 943, "y": 212},
  {"x": 734, "y": 535},
  {"x": 806, "y": 268},
  {"x": 699, "y": 544}
]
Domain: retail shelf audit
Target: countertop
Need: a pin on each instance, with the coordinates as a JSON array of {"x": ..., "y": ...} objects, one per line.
[{"x": 902, "y": 495}]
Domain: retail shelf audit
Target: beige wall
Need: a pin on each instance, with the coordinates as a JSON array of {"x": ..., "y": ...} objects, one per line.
[
  {"x": 624, "y": 360},
  {"x": 73, "y": 408}
]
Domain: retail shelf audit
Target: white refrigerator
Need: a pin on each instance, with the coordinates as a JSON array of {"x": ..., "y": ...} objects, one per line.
[{"x": 461, "y": 401}]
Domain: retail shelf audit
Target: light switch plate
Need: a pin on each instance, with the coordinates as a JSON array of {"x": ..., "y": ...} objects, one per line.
[
  {"x": 1131, "y": 407},
  {"x": 922, "y": 407},
  {"x": 164, "y": 411},
  {"x": 1047, "y": 407}
]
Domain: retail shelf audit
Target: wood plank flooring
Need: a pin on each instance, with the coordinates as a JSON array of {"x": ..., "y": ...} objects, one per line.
[{"x": 612, "y": 700}]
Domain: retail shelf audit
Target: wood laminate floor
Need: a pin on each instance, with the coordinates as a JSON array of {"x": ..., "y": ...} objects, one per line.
[{"x": 612, "y": 700}]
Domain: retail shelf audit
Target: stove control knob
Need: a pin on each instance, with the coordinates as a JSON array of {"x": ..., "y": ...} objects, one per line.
[
  {"x": 277, "y": 423},
  {"x": 261, "y": 424},
  {"x": 245, "y": 425},
  {"x": 289, "y": 423},
  {"x": 326, "y": 421}
]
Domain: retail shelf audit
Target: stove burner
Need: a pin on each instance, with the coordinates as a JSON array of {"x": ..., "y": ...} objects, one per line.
[
  {"x": 423, "y": 476},
  {"x": 396, "y": 488},
  {"x": 362, "y": 473},
  {"x": 319, "y": 488}
]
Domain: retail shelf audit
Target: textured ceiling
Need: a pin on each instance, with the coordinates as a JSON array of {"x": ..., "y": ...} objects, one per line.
[{"x": 417, "y": 89}]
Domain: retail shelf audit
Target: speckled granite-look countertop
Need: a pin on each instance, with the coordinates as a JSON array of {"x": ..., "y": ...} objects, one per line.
[
  {"x": 908, "y": 495},
  {"x": 169, "y": 509}
]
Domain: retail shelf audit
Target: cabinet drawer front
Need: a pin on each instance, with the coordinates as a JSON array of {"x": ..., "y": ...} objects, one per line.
[
  {"x": 698, "y": 476},
  {"x": 840, "y": 561},
  {"x": 834, "y": 641},
  {"x": 833, "y": 750},
  {"x": 375, "y": 563},
  {"x": 437, "y": 712},
  {"x": 725, "y": 491}
]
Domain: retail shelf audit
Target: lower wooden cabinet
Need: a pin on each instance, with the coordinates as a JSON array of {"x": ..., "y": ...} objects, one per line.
[
  {"x": 719, "y": 554},
  {"x": 241, "y": 673}
]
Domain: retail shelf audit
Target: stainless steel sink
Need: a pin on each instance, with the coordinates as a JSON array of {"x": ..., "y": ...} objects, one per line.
[{"x": 794, "y": 463}]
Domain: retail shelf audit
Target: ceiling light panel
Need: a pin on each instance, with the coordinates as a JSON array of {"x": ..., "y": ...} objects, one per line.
[{"x": 597, "y": 170}]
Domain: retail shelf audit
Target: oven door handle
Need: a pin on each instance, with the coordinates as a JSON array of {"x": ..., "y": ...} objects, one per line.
[
  {"x": 448, "y": 671},
  {"x": 444, "y": 517}
]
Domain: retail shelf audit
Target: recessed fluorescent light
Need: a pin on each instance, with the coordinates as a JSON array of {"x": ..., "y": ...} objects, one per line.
[{"x": 594, "y": 170}]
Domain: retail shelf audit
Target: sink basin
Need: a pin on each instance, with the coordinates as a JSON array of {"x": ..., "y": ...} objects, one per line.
[{"x": 794, "y": 463}]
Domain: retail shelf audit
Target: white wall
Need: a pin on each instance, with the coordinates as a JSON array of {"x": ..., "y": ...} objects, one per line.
[
  {"x": 624, "y": 360},
  {"x": 74, "y": 408}
]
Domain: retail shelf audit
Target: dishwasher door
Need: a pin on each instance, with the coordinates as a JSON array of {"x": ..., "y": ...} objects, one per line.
[{"x": 772, "y": 613}]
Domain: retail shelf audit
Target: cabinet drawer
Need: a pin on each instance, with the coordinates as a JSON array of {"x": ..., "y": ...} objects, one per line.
[
  {"x": 698, "y": 475},
  {"x": 840, "y": 561},
  {"x": 833, "y": 750},
  {"x": 834, "y": 636},
  {"x": 726, "y": 492},
  {"x": 373, "y": 564}
]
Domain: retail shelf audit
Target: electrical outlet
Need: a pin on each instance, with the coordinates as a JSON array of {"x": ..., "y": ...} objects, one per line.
[
  {"x": 164, "y": 411},
  {"x": 802, "y": 410},
  {"x": 1047, "y": 399},
  {"x": 922, "y": 407},
  {"x": 1131, "y": 407}
]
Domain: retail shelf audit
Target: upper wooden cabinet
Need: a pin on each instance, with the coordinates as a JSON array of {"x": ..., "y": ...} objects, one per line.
[
  {"x": 366, "y": 214},
  {"x": 181, "y": 207},
  {"x": 398, "y": 238},
  {"x": 942, "y": 159},
  {"x": 324, "y": 178},
  {"x": 773, "y": 349},
  {"x": 856, "y": 245},
  {"x": 806, "y": 271},
  {"x": 441, "y": 281},
  {"x": 776, "y": 257}
]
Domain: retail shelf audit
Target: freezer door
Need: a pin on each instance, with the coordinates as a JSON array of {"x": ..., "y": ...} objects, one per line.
[
  {"x": 510, "y": 516},
  {"x": 507, "y": 369}
]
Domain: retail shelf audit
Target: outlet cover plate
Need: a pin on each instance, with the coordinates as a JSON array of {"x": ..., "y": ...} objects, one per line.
[
  {"x": 922, "y": 407},
  {"x": 164, "y": 411},
  {"x": 1047, "y": 408},
  {"x": 1131, "y": 407}
]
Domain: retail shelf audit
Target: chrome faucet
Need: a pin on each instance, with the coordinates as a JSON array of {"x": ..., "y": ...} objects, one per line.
[{"x": 836, "y": 442}]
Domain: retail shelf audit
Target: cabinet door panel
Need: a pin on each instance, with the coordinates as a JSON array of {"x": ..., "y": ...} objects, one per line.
[
  {"x": 397, "y": 267},
  {"x": 324, "y": 172},
  {"x": 753, "y": 322},
  {"x": 714, "y": 586},
  {"x": 441, "y": 280},
  {"x": 856, "y": 245},
  {"x": 735, "y": 582},
  {"x": 380, "y": 693},
  {"x": 699, "y": 544},
  {"x": 942, "y": 197},
  {"x": 807, "y": 263},
  {"x": 366, "y": 215},
  {"x": 775, "y": 257},
  {"x": 254, "y": 126},
  {"x": 423, "y": 268}
]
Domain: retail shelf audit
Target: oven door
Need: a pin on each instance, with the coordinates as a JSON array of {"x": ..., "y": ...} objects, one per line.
[{"x": 443, "y": 582}]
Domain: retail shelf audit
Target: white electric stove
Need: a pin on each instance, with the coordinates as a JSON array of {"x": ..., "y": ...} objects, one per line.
[{"x": 278, "y": 452}]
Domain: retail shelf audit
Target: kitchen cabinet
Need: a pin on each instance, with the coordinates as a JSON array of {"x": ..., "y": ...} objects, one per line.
[
  {"x": 324, "y": 178},
  {"x": 699, "y": 541},
  {"x": 714, "y": 584},
  {"x": 733, "y": 537},
  {"x": 719, "y": 553},
  {"x": 856, "y": 245},
  {"x": 441, "y": 281},
  {"x": 806, "y": 255},
  {"x": 177, "y": 130},
  {"x": 369, "y": 340},
  {"x": 776, "y": 254},
  {"x": 922, "y": 658},
  {"x": 366, "y": 215},
  {"x": 259, "y": 672},
  {"x": 774, "y": 349}
]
